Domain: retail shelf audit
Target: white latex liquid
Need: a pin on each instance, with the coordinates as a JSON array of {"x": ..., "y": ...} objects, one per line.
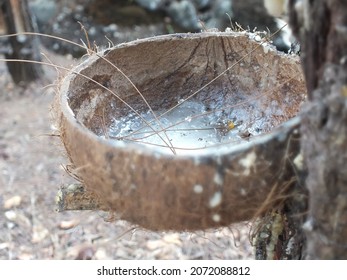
[{"x": 189, "y": 128}]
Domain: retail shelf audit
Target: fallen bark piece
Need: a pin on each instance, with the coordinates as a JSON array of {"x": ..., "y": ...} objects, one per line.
[{"x": 77, "y": 197}]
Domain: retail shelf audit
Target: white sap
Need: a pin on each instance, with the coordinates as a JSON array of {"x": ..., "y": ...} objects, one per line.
[{"x": 190, "y": 128}]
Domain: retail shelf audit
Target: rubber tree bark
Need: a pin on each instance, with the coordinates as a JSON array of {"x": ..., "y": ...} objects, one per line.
[
  {"x": 18, "y": 19},
  {"x": 321, "y": 27}
]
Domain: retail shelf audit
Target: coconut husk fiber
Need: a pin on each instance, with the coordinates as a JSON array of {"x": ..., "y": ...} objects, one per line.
[{"x": 163, "y": 191}]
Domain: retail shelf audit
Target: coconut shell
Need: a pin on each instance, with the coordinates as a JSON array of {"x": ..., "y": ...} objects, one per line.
[{"x": 162, "y": 191}]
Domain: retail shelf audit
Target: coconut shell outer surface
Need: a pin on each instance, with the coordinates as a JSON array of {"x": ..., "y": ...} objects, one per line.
[{"x": 167, "y": 192}]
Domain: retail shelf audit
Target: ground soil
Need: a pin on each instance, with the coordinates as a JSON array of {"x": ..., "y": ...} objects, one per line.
[{"x": 31, "y": 172}]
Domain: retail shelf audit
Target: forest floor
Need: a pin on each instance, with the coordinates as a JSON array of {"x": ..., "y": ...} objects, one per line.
[{"x": 31, "y": 172}]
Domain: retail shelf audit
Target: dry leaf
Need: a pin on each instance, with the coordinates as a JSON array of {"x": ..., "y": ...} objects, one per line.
[
  {"x": 39, "y": 233},
  {"x": 12, "y": 202},
  {"x": 18, "y": 218},
  {"x": 68, "y": 224},
  {"x": 155, "y": 244},
  {"x": 11, "y": 215},
  {"x": 101, "y": 254},
  {"x": 173, "y": 239}
]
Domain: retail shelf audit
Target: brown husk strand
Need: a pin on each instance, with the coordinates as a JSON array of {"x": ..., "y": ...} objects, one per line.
[{"x": 158, "y": 191}]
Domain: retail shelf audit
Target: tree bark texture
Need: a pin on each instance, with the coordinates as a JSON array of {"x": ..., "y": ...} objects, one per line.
[
  {"x": 77, "y": 197},
  {"x": 321, "y": 27},
  {"x": 17, "y": 20}
]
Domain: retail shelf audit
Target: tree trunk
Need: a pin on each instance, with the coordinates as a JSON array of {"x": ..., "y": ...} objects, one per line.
[
  {"x": 17, "y": 20},
  {"x": 321, "y": 27}
]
